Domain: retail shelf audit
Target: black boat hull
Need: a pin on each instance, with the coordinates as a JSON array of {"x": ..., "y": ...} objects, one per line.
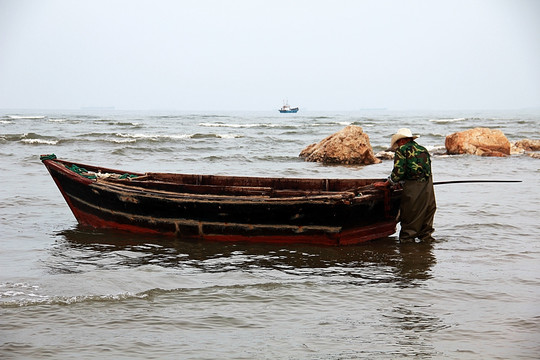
[{"x": 329, "y": 220}]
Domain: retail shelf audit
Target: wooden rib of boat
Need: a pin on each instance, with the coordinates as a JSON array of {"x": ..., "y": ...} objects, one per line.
[{"x": 227, "y": 208}]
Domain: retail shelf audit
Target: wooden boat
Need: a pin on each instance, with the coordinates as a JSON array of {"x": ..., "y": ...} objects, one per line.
[{"x": 227, "y": 208}]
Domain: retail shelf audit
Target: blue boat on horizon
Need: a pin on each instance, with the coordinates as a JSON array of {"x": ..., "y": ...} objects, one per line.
[{"x": 287, "y": 109}]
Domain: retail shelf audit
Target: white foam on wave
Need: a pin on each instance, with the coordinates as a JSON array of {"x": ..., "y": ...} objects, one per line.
[
  {"x": 180, "y": 136},
  {"x": 332, "y": 123},
  {"x": 433, "y": 148},
  {"x": 253, "y": 125},
  {"x": 123, "y": 141},
  {"x": 19, "y": 290},
  {"x": 226, "y": 125},
  {"x": 24, "y": 294},
  {"x": 154, "y": 137},
  {"x": 17, "y": 285},
  {"x": 134, "y": 136},
  {"x": 30, "y": 117},
  {"x": 39, "y": 141},
  {"x": 229, "y": 136},
  {"x": 34, "y": 299}
]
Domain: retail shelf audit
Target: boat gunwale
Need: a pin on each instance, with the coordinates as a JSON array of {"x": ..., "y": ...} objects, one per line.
[{"x": 266, "y": 193}]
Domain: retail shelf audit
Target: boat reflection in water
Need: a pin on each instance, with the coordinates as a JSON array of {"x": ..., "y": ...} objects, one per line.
[{"x": 381, "y": 261}]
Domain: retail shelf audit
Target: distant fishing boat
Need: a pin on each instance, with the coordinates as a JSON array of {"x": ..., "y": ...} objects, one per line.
[{"x": 286, "y": 108}]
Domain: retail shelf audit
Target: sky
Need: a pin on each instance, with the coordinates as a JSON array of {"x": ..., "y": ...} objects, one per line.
[{"x": 252, "y": 54}]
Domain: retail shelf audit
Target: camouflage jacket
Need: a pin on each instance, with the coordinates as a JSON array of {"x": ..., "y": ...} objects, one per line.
[{"x": 411, "y": 162}]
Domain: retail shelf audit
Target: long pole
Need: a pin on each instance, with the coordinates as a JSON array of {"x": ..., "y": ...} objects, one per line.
[{"x": 473, "y": 181}]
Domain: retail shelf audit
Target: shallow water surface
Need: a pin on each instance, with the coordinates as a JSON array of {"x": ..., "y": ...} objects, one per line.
[{"x": 68, "y": 291}]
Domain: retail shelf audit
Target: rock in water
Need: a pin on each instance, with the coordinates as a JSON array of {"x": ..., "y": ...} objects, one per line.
[
  {"x": 528, "y": 145},
  {"x": 348, "y": 146},
  {"x": 385, "y": 155},
  {"x": 478, "y": 141}
]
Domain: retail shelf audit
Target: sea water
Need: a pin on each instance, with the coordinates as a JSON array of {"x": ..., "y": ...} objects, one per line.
[{"x": 72, "y": 292}]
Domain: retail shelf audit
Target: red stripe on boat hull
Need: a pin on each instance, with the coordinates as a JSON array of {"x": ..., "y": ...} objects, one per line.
[
  {"x": 91, "y": 208},
  {"x": 346, "y": 237}
]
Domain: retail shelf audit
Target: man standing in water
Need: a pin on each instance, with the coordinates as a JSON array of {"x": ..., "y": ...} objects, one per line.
[{"x": 412, "y": 169}]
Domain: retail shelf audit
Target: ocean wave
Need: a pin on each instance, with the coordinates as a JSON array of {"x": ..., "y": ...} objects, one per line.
[
  {"x": 331, "y": 124},
  {"x": 188, "y": 116},
  {"x": 39, "y": 142},
  {"x": 64, "y": 121},
  {"x": 121, "y": 141},
  {"x": 31, "y": 138},
  {"x": 125, "y": 123},
  {"x": 12, "y": 294},
  {"x": 251, "y": 125},
  {"x": 97, "y": 135},
  {"x": 220, "y": 136},
  {"x": 26, "y": 117},
  {"x": 130, "y": 150},
  {"x": 28, "y": 300},
  {"x": 447, "y": 121},
  {"x": 435, "y": 135},
  {"x": 158, "y": 138},
  {"x": 277, "y": 159},
  {"x": 153, "y": 137},
  {"x": 229, "y": 125},
  {"x": 435, "y": 148},
  {"x": 321, "y": 117},
  {"x": 11, "y": 137},
  {"x": 221, "y": 158},
  {"x": 230, "y": 136},
  {"x": 296, "y": 132}
]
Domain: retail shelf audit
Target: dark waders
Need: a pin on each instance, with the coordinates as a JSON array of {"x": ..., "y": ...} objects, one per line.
[{"x": 417, "y": 210}]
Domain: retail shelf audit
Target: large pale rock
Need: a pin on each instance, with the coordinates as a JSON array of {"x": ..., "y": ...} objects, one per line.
[
  {"x": 478, "y": 141},
  {"x": 348, "y": 146}
]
